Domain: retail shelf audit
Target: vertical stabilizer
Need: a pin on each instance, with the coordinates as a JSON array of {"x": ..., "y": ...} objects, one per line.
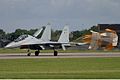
[
  {"x": 37, "y": 32},
  {"x": 46, "y": 36},
  {"x": 64, "y": 37}
]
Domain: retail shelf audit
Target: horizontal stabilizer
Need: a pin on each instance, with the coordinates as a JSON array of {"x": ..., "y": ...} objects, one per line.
[{"x": 79, "y": 44}]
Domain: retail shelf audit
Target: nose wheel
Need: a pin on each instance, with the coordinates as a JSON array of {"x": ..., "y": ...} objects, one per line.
[{"x": 28, "y": 54}]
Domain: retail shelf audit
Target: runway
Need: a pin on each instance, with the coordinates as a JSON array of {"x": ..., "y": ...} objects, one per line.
[{"x": 60, "y": 55}]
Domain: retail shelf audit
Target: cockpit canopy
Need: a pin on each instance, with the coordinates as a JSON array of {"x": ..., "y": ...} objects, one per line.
[{"x": 20, "y": 38}]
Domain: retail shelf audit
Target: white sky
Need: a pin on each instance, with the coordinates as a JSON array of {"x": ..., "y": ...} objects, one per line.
[{"x": 79, "y": 14}]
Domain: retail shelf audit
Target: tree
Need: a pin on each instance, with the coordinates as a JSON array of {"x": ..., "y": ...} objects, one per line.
[
  {"x": 2, "y": 34},
  {"x": 94, "y": 28},
  {"x": 55, "y": 34},
  {"x": 32, "y": 31}
]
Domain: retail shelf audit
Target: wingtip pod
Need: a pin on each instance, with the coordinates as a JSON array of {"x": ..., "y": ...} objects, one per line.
[{"x": 64, "y": 37}]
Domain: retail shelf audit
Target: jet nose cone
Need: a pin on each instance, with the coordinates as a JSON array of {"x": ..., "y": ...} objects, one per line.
[
  {"x": 10, "y": 45},
  {"x": 13, "y": 45},
  {"x": 7, "y": 46}
]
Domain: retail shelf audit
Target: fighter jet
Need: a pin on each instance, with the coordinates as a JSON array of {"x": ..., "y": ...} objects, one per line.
[{"x": 33, "y": 43}]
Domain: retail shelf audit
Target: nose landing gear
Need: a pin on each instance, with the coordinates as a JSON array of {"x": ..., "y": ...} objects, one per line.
[
  {"x": 28, "y": 53},
  {"x": 36, "y": 53}
]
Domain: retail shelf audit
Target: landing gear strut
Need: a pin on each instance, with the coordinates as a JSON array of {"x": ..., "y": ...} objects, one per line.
[
  {"x": 37, "y": 53},
  {"x": 55, "y": 53},
  {"x": 28, "y": 53}
]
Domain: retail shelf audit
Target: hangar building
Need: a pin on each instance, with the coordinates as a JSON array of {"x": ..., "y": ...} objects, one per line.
[{"x": 116, "y": 27}]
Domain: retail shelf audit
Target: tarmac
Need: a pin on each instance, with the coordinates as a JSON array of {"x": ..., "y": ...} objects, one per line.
[{"x": 60, "y": 55}]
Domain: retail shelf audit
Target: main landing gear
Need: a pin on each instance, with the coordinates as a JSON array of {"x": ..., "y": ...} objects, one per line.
[
  {"x": 55, "y": 52},
  {"x": 36, "y": 53}
]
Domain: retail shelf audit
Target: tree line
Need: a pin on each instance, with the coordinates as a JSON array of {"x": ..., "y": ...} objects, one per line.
[{"x": 55, "y": 34}]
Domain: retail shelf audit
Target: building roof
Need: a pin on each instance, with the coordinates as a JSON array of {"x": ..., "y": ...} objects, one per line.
[{"x": 115, "y": 27}]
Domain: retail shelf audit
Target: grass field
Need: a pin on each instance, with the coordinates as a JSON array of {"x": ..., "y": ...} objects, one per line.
[
  {"x": 17, "y": 50},
  {"x": 60, "y": 68}
]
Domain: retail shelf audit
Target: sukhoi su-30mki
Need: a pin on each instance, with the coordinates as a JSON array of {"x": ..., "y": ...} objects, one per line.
[{"x": 33, "y": 43}]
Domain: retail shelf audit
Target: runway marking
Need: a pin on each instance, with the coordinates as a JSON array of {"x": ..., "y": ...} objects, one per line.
[{"x": 60, "y": 55}]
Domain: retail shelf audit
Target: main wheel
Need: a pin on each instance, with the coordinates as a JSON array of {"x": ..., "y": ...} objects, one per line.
[
  {"x": 36, "y": 53},
  {"x": 55, "y": 53}
]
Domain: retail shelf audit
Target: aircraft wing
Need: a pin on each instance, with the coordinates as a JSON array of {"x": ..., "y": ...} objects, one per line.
[{"x": 45, "y": 45}]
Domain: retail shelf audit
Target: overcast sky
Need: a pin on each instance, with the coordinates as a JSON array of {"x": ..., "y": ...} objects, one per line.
[{"x": 79, "y": 14}]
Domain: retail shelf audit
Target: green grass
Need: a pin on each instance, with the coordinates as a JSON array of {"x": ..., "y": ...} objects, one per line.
[
  {"x": 104, "y": 68},
  {"x": 17, "y": 50}
]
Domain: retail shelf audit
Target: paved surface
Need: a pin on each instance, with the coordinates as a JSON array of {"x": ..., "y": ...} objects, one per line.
[{"x": 60, "y": 55}]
